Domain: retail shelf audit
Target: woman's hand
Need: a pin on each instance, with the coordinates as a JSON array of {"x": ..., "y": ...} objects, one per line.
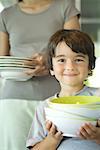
[
  {"x": 54, "y": 137},
  {"x": 90, "y": 132},
  {"x": 38, "y": 65}
]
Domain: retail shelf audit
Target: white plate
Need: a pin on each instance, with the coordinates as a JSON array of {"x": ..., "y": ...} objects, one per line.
[
  {"x": 3, "y": 66},
  {"x": 4, "y": 61},
  {"x": 5, "y": 58},
  {"x": 12, "y": 62},
  {"x": 16, "y": 74}
]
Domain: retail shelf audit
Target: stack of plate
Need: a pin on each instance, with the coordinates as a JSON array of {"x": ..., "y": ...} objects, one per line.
[{"x": 14, "y": 68}]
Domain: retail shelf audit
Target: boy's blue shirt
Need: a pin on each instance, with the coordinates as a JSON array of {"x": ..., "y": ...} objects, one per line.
[{"x": 38, "y": 131}]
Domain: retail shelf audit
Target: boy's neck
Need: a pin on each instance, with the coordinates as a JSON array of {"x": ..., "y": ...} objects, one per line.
[{"x": 69, "y": 91}]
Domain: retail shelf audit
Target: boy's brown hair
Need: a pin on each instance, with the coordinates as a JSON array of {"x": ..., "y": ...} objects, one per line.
[{"x": 77, "y": 40}]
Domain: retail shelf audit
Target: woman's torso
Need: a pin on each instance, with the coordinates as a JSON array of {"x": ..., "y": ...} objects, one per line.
[{"x": 29, "y": 33}]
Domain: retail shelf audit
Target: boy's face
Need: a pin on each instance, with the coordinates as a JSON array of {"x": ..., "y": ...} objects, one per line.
[{"x": 70, "y": 68}]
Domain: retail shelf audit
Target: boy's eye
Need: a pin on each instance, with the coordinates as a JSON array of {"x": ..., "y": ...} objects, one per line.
[
  {"x": 79, "y": 60},
  {"x": 61, "y": 60}
]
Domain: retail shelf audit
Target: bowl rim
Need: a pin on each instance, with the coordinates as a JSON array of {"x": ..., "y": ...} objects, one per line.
[{"x": 50, "y": 101}]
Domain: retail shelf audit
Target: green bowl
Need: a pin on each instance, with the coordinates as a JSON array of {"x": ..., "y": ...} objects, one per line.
[{"x": 79, "y": 100}]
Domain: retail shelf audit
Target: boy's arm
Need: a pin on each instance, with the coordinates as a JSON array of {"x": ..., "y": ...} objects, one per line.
[
  {"x": 44, "y": 145},
  {"x": 52, "y": 140}
]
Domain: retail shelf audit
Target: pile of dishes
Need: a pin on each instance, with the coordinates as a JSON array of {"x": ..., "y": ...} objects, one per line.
[
  {"x": 69, "y": 113},
  {"x": 13, "y": 68}
]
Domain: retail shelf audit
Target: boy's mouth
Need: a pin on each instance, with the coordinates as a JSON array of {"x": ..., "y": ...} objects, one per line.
[{"x": 70, "y": 74}]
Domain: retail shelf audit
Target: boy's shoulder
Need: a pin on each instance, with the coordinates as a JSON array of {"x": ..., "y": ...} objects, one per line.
[
  {"x": 44, "y": 103},
  {"x": 93, "y": 90}
]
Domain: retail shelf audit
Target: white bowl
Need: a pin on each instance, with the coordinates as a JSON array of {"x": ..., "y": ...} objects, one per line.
[
  {"x": 68, "y": 126},
  {"x": 90, "y": 112},
  {"x": 59, "y": 113},
  {"x": 18, "y": 75},
  {"x": 87, "y": 106},
  {"x": 66, "y": 122}
]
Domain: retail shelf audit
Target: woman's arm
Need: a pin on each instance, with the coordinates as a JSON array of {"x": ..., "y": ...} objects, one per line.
[
  {"x": 73, "y": 23},
  {"x": 4, "y": 44}
]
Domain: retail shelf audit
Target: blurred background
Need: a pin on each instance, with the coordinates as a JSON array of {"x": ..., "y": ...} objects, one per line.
[{"x": 90, "y": 23}]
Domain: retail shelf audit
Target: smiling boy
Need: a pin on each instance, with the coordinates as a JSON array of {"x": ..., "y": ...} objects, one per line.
[{"x": 71, "y": 60}]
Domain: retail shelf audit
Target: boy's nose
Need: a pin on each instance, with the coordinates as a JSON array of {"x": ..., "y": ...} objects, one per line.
[{"x": 69, "y": 65}]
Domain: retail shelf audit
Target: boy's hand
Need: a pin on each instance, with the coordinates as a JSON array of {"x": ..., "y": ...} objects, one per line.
[
  {"x": 53, "y": 136},
  {"x": 90, "y": 132}
]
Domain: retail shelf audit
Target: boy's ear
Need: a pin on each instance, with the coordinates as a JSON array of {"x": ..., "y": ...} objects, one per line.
[
  {"x": 52, "y": 72},
  {"x": 90, "y": 73}
]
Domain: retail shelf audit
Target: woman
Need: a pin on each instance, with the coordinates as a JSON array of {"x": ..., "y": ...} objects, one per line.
[{"x": 24, "y": 32}]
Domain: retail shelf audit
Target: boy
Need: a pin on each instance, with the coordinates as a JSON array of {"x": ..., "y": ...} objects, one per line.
[{"x": 71, "y": 59}]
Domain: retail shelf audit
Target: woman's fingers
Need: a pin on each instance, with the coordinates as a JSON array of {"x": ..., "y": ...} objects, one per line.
[
  {"x": 41, "y": 71},
  {"x": 37, "y": 71},
  {"x": 35, "y": 59},
  {"x": 32, "y": 62},
  {"x": 36, "y": 62},
  {"x": 38, "y": 66}
]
